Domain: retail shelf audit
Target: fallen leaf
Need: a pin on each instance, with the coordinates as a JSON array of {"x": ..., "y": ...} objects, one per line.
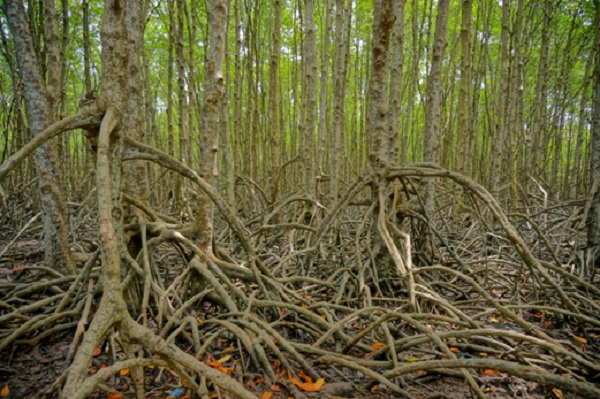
[
  {"x": 5, "y": 391},
  {"x": 493, "y": 319},
  {"x": 304, "y": 377},
  {"x": 115, "y": 396},
  {"x": 96, "y": 351},
  {"x": 276, "y": 364},
  {"x": 377, "y": 345},
  {"x": 375, "y": 388},
  {"x": 214, "y": 395},
  {"x": 558, "y": 393},
  {"x": 454, "y": 349},
  {"x": 488, "y": 389},
  {"x": 411, "y": 359},
  {"x": 224, "y": 359},
  {"x": 276, "y": 388},
  {"x": 581, "y": 340},
  {"x": 267, "y": 395},
  {"x": 491, "y": 372},
  {"x": 93, "y": 370},
  {"x": 103, "y": 365},
  {"x": 124, "y": 372},
  {"x": 230, "y": 348}
]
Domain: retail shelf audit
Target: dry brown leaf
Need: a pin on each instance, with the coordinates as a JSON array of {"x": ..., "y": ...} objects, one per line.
[
  {"x": 115, "y": 396},
  {"x": 5, "y": 391},
  {"x": 267, "y": 395},
  {"x": 124, "y": 372},
  {"x": 454, "y": 349},
  {"x": 377, "y": 345},
  {"x": 558, "y": 393},
  {"x": 97, "y": 351}
]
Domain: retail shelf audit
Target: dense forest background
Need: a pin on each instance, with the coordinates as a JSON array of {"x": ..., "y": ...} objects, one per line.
[
  {"x": 515, "y": 90},
  {"x": 352, "y": 183}
]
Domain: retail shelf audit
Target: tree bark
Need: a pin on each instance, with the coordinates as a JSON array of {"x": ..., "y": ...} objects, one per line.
[
  {"x": 210, "y": 124},
  {"x": 434, "y": 93},
  {"x": 39, "y": 112},
  {"x": 593, "y": 231}
]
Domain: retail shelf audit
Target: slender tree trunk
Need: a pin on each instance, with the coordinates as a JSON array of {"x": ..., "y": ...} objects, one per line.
[
  {"x": 396, "y": 79},
  {"x": 310, "y": 88},
  {"x": 323, "y": 100},
  {"x": 593, "y": 231},
  {"x": 87, "y": 76},
  {"x": 39, "y": 111},
  {"x": 339, "y": 99},
  {"x": 182, "y": 102},
  {"x": 499, "y": 146},
  {"x": 463, "y": 131},
  {"x": 209, "y": 147},
  {"x": 383, "y": 22},
  {"x": 434, "y": 93},
  {"x": 274, "y": 101},
  {"x": 535, "y": 140},
  {"x": 576, "y": 186}
]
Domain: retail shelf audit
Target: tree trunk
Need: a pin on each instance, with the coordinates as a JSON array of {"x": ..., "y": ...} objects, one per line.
[
  {"x": 310, "y": 88},
  {"x": 39, "y": 112},
  {"x": 593, "y": 231},
  {"x": 434, "y": 94},
  {"x": 210, "y": 124},
  {"x": 274, "y": 101}
]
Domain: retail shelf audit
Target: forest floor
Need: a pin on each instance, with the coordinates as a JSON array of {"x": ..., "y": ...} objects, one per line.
[
  {"x": 27, "y": 369},
  {"x": 509, "y": 308}
]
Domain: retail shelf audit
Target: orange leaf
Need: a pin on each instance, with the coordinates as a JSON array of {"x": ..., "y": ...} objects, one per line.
[
  {"x": 267, "y": 395},
  {"x": 93, "y": 370},
  {"x": 96, "y": 351},
  {"x": 304, "y": 377},
  {"x": 5, "y": 391},
  {"x": 277, "y": 364},
  {"x": 454, "y": 349},
  {"x": 260, "y": 380},
  {"x": 276, "y": 388},
  {"x": 186, "y": 396},
  {"x": 377, "y": 345},
  {"x": 491, "y": 372},
  {"x": 581, "y": 340},
  {"x": 313, "y": 387},
  {"x": 251, "y": 337},
  {"x": 230, "y": 348},
  {"x": 115, "y": 396},
  {"x": 374, "y": 388},
  {"x": 124, "y": 372},
  {"x": 214, "y": 395}
]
